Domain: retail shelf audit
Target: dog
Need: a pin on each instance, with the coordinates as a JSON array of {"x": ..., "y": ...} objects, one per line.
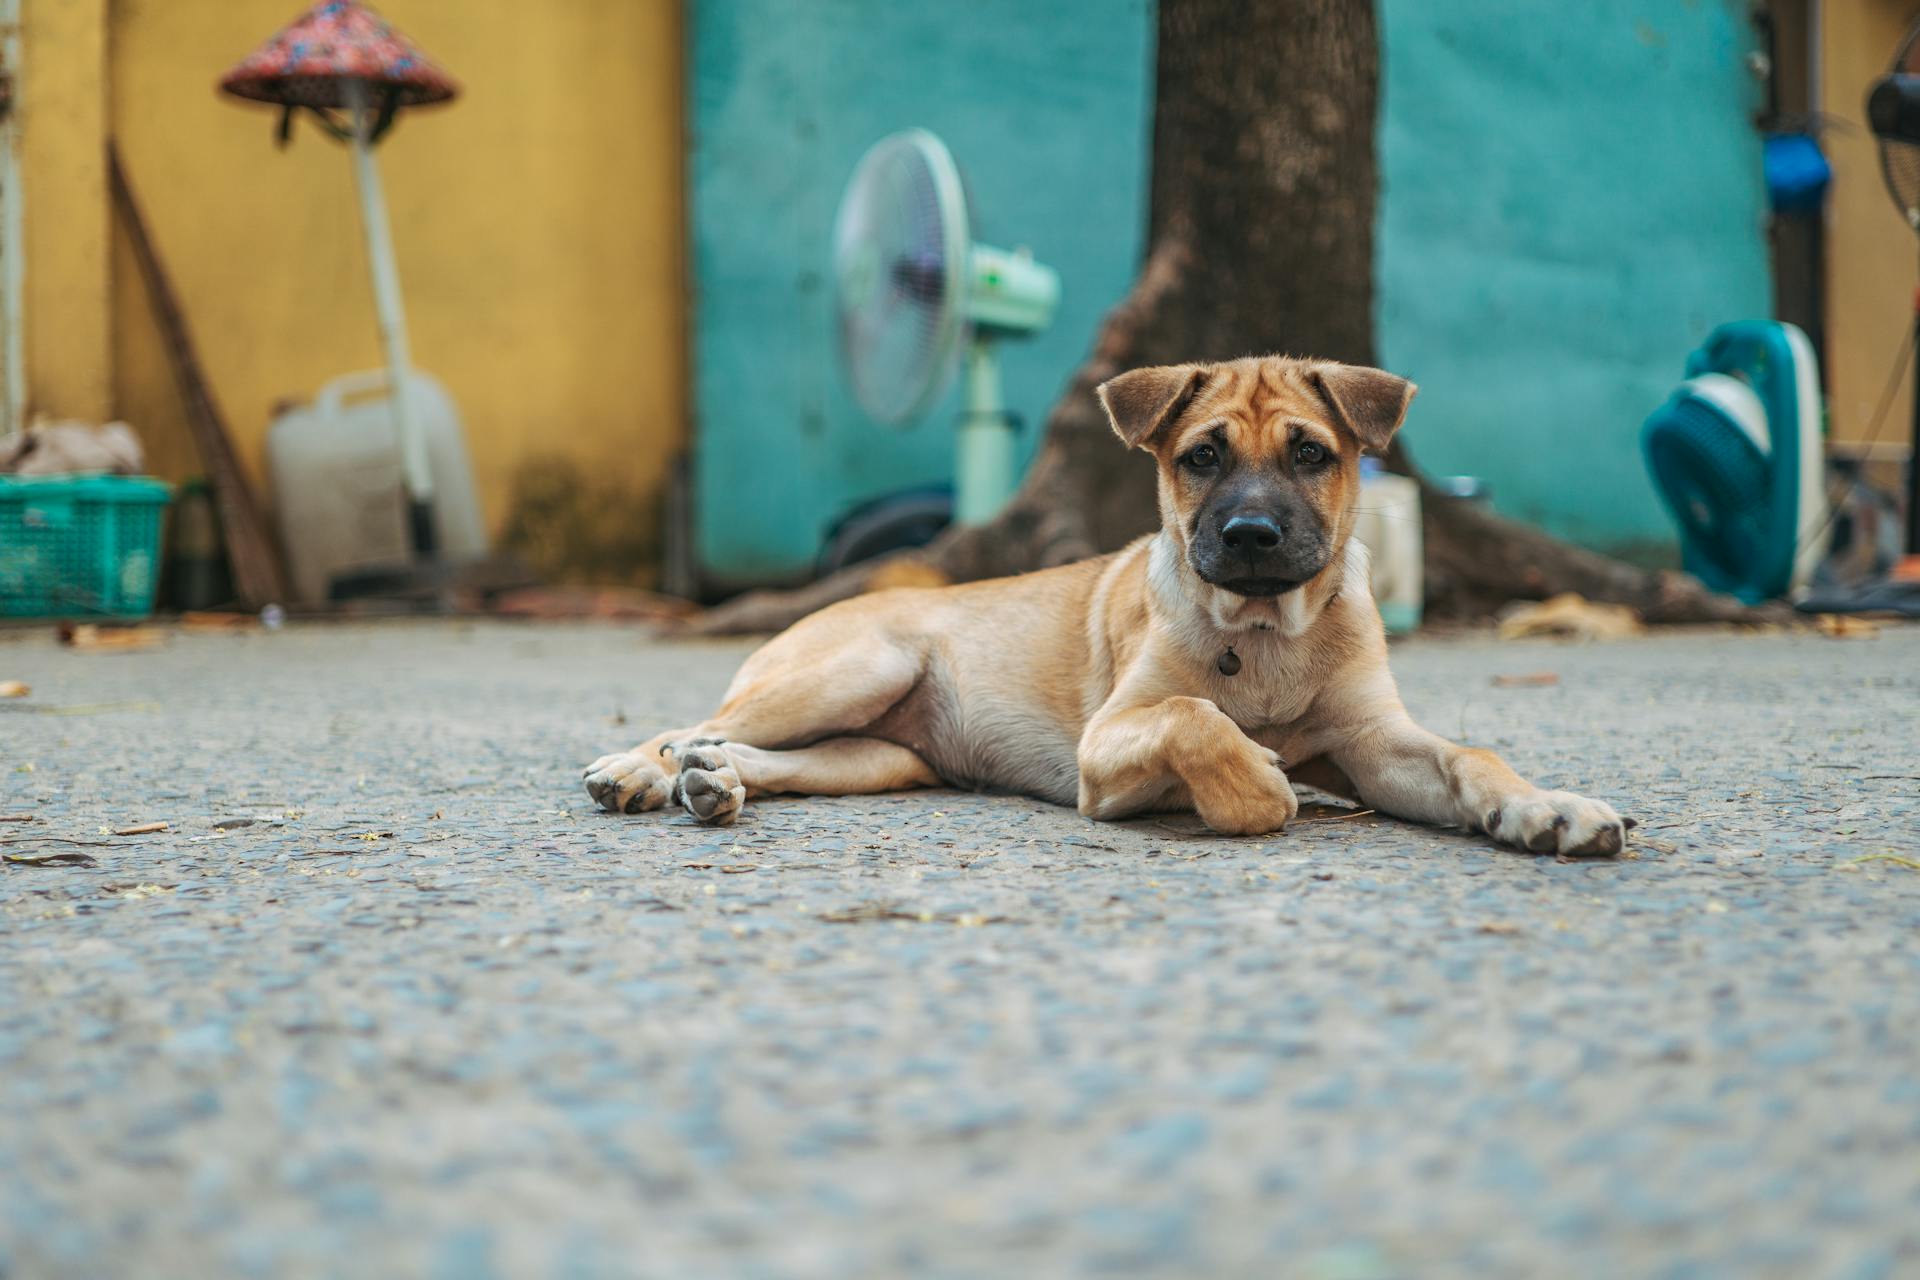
[{"x": 1204, "y": 667}]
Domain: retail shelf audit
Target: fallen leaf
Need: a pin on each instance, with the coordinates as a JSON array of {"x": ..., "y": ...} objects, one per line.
[
  {"x": 91, "y": 637},
  {"x": 144, "y": 829},
  {"x": 739, "y": 868},
  {"x": 14, "y": 688},
  {"x": 617, "y": 603},
  {"x": 1530, "y": 680},
  {"x": 1500, "y": 928},
  {"x": 201, "y": 621},
  {"x": 905, "y": 572},
  {"x": 1845, "y": 626},
  {"x": 696, "y": 866},
  {"x": 1570, "y": 615},
  {"x": 16, "y": 817}
]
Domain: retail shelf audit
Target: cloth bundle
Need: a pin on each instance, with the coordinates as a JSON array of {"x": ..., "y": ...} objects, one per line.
[{"x": 69, "y": 448}]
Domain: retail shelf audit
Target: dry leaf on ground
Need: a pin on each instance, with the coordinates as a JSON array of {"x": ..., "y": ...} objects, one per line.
[
  {"x": 906, "y": 573},
  {"x": 1573, "y": 616},
  {"x": 14, "y": 688},
  {"x": 622, "y": 604},
  {"x": 193, "y": 620},
  {"x": 90, "y": 637},
  {"x": 1846, "y": 626}
]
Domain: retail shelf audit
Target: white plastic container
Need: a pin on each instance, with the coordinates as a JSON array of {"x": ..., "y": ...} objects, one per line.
[
  {"x": 339, "y": 489},
  {"x": 1388, "y": 525}
]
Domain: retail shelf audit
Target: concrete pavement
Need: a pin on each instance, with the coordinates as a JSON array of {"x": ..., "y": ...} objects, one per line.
[{"x": 389, "y": 996}]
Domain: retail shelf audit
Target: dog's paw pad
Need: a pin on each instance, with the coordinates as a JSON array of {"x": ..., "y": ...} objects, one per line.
[
  {"x": 626, "y": 782},
  {"x": 712, "y": 796}
]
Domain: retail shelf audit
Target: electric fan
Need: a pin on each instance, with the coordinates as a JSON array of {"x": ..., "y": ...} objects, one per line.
[
  {"x": 1893, "y": 109},
  {"x": 915, "y": 294},
  {"x": 1736, "y": 454}
]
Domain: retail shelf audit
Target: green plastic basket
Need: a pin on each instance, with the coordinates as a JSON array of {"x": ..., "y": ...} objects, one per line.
[{"x": 79, "y": 546}]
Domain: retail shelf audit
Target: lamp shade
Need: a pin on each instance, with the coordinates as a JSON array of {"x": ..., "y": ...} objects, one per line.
[{"x": 309, "y": 62}]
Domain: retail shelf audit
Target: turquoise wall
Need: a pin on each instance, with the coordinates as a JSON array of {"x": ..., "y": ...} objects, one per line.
[
  {"x": 1571, "y": 199},
  {"x": 1047, "y": 108}
]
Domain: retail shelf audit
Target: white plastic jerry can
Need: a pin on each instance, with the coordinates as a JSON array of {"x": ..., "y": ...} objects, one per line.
[
  {"x": 339, "y": 487},
  {"x": 1388, "y": 524}
]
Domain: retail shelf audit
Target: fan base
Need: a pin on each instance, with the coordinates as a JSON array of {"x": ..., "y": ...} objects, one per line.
[{"x": 1898, "y": 592}]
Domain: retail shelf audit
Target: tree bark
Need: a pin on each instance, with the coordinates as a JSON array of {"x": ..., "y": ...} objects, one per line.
[{"x": 1260, "y": 241}]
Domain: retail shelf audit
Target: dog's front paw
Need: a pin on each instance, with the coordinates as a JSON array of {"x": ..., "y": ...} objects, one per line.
[
  {"x": 627, "y": 782},
  {"x": 1253, "y": 800},
  {"x": 1559, "y": 822},
  {"x": 707, "y": 785}
]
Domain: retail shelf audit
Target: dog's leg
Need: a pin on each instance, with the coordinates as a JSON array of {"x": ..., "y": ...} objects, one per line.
[
  {"x": 716, "y": 778},
  {"x": 1137, "y": 759},
  {"x": 1399, "y": 768},
  {"x": 807, "y": 684}
]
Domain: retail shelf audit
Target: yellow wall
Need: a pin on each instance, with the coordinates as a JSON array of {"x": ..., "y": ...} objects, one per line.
[
  {"x": 1871, "y": 253},
  {"x": 62, "y": 105},
  {"x": 536, "y": 219}
]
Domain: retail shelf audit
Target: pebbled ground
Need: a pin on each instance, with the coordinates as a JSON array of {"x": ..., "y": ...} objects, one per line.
[{"x": 427, "y": 1012}]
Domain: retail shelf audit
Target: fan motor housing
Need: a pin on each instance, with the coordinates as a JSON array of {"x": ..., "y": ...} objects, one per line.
[
  {"x": 1736, "y": 454},
  {"x": 1893, "y": 107},
  {"x": 1010, "y": 292}
]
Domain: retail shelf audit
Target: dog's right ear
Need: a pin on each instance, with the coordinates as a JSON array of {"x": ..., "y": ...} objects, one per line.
[{"x": 1141, "y": 404}]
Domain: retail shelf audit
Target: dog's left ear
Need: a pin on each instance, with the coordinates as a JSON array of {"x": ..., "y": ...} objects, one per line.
[
  {"x": 1142, "y": 402},
  {"x": 1371, "y": 403}
]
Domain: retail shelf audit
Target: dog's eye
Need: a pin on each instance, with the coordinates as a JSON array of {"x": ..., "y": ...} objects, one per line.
[
  {"x": 1310, "y": 454},
  {"x": 1204, "y": 458}
]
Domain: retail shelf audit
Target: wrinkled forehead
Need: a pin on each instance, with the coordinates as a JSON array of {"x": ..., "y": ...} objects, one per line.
[{"x": 1259, "y": 400}]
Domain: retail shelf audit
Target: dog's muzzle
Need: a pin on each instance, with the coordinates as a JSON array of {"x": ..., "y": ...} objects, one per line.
[{"x": 1254, "y": 554}]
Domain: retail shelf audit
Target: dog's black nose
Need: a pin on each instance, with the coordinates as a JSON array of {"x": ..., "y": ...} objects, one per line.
[{"x": 1252, "y": 533}]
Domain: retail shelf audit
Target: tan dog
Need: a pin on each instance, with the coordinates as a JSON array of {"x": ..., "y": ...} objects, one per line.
[{"x": 1188, "y": 671}]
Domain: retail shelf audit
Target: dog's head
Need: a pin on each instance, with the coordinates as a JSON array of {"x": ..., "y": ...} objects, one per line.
[{"x": 1259, "y": 459}]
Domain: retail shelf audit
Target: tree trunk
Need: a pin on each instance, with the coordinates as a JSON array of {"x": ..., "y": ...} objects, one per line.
[{"x": 1260, "y": 241}]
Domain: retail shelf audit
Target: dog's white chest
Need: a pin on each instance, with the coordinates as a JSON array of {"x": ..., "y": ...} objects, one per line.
[
  {"x": 1268, "y": 690},
  {"x": 1267, "y": 708}
]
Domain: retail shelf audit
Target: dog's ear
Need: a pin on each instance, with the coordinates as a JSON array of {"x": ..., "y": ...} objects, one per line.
[
  {"x": 1141, "y": 403},
  {"x": 1371, "y": 403}
]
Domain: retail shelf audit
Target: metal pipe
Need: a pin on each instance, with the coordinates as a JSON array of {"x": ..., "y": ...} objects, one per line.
[
  {"x": 393, "y": 320},
  {"x": 984, "y": 466}
]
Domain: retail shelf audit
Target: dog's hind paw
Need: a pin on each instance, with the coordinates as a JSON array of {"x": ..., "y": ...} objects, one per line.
[
  {"x": 707, "y": 785},
  {"x": 627, "y": 782}
]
